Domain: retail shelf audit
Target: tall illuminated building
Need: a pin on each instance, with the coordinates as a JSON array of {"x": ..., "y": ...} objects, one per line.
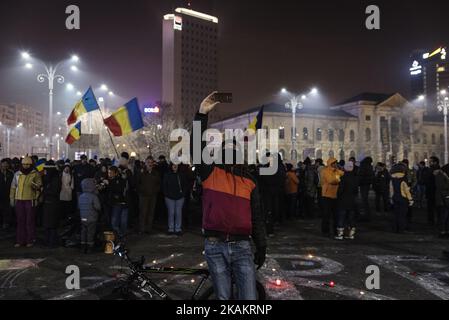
[
  {"x": 429, "y": 75},
  {"x": 189, "y": 60}
]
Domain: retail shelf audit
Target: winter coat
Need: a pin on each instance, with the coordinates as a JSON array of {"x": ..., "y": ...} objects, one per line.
[
  {"x": 117, "y": 191},
  {"x": 382, "y": 181},
  {"x": 366, "y": 173},
  {"x": 148, "y": 183},
  {"x": 5, "y": 185},
  {"x": 26, "y": 186},
  {"x": 441, "y": 188},
  {"x": 67, "y": 186},
  {"x": 291, "y": 183},
  {"x": 421, "y": 175},
  {"x": 399, "y": 189},
  {"x": 429, "y": 180},
  {"x": 300, "y": 174},
  {"x": 273, "y": 184},
  {"x": 174, "y": 185},
  {"x": 51, "y": 193},
  {"x": 89, "y": 204},
  {"x": 311, "y": 180},
  {"x": 347, "y": 191},
  {"x": 330, "y": 178}
]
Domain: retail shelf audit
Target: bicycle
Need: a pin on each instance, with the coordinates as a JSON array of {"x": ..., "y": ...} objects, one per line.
[{"x": 138, "y": 285}]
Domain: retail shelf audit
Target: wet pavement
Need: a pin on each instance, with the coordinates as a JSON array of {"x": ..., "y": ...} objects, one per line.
[{"x": 301, "y": 264}]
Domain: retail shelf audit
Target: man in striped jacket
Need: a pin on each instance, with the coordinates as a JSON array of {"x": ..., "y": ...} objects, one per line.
[{"x": 232, "y": 216}]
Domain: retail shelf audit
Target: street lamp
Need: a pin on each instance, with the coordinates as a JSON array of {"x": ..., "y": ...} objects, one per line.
[
  {"x": 295, "y": 104},
  {"x": 50, "y": 75},
  {"x": 25, "y": 55},
  {"x": 443, "y": 107}
]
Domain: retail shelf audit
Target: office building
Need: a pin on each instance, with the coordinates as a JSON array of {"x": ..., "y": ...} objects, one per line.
[{"x": 189, "y": 60}]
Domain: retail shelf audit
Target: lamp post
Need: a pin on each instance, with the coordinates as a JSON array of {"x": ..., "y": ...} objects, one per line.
[
  {"x": 49, "y": 76},
  {"x": 443, "y": 107},
  {"x": 8, "y": 142},
  {"x": 294, "y": 104}
]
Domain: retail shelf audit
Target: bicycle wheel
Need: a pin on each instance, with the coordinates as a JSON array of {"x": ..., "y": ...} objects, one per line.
[{"x": 210, "y": 295}]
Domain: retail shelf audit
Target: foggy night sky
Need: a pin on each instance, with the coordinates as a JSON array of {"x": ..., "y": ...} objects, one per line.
[{"x": 264, "y": 45}]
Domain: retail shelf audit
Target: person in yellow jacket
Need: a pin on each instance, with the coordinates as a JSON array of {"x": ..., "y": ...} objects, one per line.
[
  {"x": 25, "y": 190},
  {"x": 330, "y": 179}
]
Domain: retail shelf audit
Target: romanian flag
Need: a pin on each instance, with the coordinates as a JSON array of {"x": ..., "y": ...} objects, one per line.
[
  {"x": 74, "y": 134},
  {"x": 126, "y": 119},
  {"x": 40, "y": 164},
  {"x": 87, "y": 104},
  {"x": 257, "y": 122}
]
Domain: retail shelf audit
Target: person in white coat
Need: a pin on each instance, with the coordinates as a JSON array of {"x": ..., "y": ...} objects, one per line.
[{"x": 66, "y": 195}]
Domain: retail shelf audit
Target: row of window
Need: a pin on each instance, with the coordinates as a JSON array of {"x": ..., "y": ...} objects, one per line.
[
  {"x": 330, "y": 134},
  {"x": 433, "y": 139},
  {"x": 319, "y": 154},
  {"x": 198, "y": 25},
  {"x": 341, "y": 136}
]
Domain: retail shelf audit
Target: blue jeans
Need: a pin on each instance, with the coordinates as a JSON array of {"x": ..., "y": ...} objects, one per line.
[
  {"x": 228, "y": 261},
  {"x": 345, "y": 218},
  {"x": 174, "y": 208},
  {"x": 119, "y": 219}
]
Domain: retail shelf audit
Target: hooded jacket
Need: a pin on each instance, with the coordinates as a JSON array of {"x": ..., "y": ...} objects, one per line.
[
  {"x": 330, "y": 179},
  {"x": 291, "y": 183},
  {"x": 89, "y": 204}
]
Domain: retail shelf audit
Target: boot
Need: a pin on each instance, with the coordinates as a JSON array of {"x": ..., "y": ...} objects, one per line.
[
  {"x": 351, "y": 234},
  {"x": 339, "y": 235}
]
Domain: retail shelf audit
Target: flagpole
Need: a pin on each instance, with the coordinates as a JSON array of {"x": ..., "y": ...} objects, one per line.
[{"x": 109, "y": 133}]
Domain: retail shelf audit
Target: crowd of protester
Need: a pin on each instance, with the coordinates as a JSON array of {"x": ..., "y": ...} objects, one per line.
[
  {"x": 86, "y": 197},
  {"x": 341, "y": 192},
  {"x": 76, "y": 201}
]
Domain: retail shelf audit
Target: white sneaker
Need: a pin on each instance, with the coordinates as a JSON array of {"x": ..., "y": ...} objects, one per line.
[
  {"x": 351, "y": 234},
  {"x": 340, "y": 232}
]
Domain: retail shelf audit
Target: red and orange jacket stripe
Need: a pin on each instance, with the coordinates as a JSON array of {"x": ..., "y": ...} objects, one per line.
[{"x": 231, "y": 202}]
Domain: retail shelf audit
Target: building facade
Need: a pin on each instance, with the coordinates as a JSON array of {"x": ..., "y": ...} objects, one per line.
[
  {"x": 384, "y": 126},
  {"x": 429, "y": 74},
  {"x": 21, "y": 131},
  {"x": 189, "y": 60}
]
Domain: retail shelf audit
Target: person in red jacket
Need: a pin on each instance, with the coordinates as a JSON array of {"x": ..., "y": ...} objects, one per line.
[{"x": 232, "y": 217}]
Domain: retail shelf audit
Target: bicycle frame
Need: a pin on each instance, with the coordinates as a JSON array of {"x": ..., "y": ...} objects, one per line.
[
  {"x": 138, "y": 271},
  {"x": 204, "y": 273}
]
